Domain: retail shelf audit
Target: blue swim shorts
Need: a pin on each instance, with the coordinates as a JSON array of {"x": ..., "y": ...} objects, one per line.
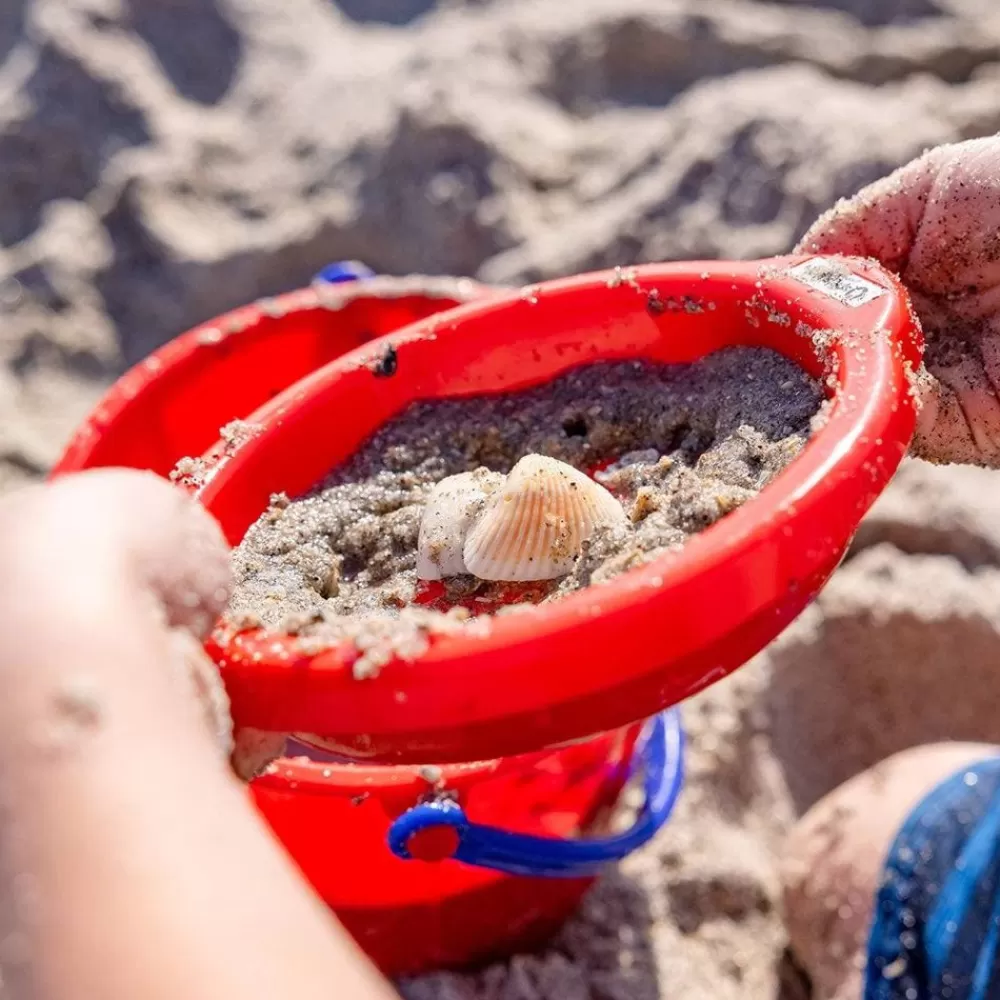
[{"x": 936, "y": 926}]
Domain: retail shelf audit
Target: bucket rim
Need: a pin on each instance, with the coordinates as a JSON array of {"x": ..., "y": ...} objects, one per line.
[{"x": 303, "y": 774}]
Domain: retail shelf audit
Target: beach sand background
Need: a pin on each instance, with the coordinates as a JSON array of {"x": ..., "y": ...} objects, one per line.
[{"x": 164, "y": 160}]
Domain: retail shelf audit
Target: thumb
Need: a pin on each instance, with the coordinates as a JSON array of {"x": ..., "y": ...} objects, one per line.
[{"x": 98, "y": 563}]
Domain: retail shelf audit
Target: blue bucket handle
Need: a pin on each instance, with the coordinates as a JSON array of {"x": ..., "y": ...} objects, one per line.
[
  {"x": 660, "y": 754},
  {"x": 343, "y": 270}
]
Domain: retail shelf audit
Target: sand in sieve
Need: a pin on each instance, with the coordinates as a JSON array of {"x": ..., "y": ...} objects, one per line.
[{"x": 680, "y": 445}]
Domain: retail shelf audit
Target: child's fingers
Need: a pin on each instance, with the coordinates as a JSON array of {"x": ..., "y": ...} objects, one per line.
[
  {"x": 935, "y": 222},
  {"x": 131, "y": 529},
  {"x": 93, "y": 569}
]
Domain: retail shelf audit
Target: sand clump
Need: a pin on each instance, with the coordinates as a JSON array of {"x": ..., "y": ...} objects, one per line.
[
  {"x": 687, "y": 444},
  {"x": 161, "y": 169}
]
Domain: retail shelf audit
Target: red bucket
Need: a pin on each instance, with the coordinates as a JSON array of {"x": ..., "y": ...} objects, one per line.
[
  {"x": 410, "y": 905},
  {"x": 174, "y": 403},
  {"x": 430, "y": 911}
]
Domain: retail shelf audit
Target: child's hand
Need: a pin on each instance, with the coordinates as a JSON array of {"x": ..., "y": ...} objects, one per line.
[
  {"x": 936, "y": 223},
  {"x": 132, "y": 863}
]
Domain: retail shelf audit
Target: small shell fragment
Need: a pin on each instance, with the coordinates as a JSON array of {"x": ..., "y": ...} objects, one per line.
[
  {"x": 452, "y": 507},
  {"x": 535, "y": 527}
]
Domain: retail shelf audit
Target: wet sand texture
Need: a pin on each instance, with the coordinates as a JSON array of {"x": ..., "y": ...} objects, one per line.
[{"x": 688, "y": 444}]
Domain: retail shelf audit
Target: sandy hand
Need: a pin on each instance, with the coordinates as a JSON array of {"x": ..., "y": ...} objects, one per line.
[
  {"x": 132, "y": 862},
  {"x": 936, "y": 223},
  {"x": 111, "y": 578}
]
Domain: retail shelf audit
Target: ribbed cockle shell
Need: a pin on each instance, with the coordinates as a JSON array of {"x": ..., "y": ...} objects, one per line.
[
  {"x": 535, "y": 527},
  {"x": 452, "y": 507}
]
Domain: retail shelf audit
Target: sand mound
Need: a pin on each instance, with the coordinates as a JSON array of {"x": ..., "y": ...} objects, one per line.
[{"x": 165, "y": 161}]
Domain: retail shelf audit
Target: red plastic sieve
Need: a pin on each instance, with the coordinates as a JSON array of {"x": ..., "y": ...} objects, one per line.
[{"x": 611, "y": 654}]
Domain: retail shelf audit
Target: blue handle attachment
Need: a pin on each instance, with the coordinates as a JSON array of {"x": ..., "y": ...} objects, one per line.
[
  {"x": 660, "y": 754},
  {"x": 344, "y": 270}
]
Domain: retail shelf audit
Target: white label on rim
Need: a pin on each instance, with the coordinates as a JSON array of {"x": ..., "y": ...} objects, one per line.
[{"x": 832, "y": 278}]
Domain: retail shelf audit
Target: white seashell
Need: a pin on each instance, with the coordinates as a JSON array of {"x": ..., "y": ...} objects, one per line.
[
  {"x": 535, "y": 527},
  {"x": 452, "y": 507}
]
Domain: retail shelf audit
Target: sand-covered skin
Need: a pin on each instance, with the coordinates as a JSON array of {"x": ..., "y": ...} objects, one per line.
[
  {"x": 688, "y": 444},
  {"x": 162, "y": 163}
]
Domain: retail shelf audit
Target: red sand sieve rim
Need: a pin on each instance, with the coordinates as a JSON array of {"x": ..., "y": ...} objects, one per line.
[{"x": 619, "y": 652}]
